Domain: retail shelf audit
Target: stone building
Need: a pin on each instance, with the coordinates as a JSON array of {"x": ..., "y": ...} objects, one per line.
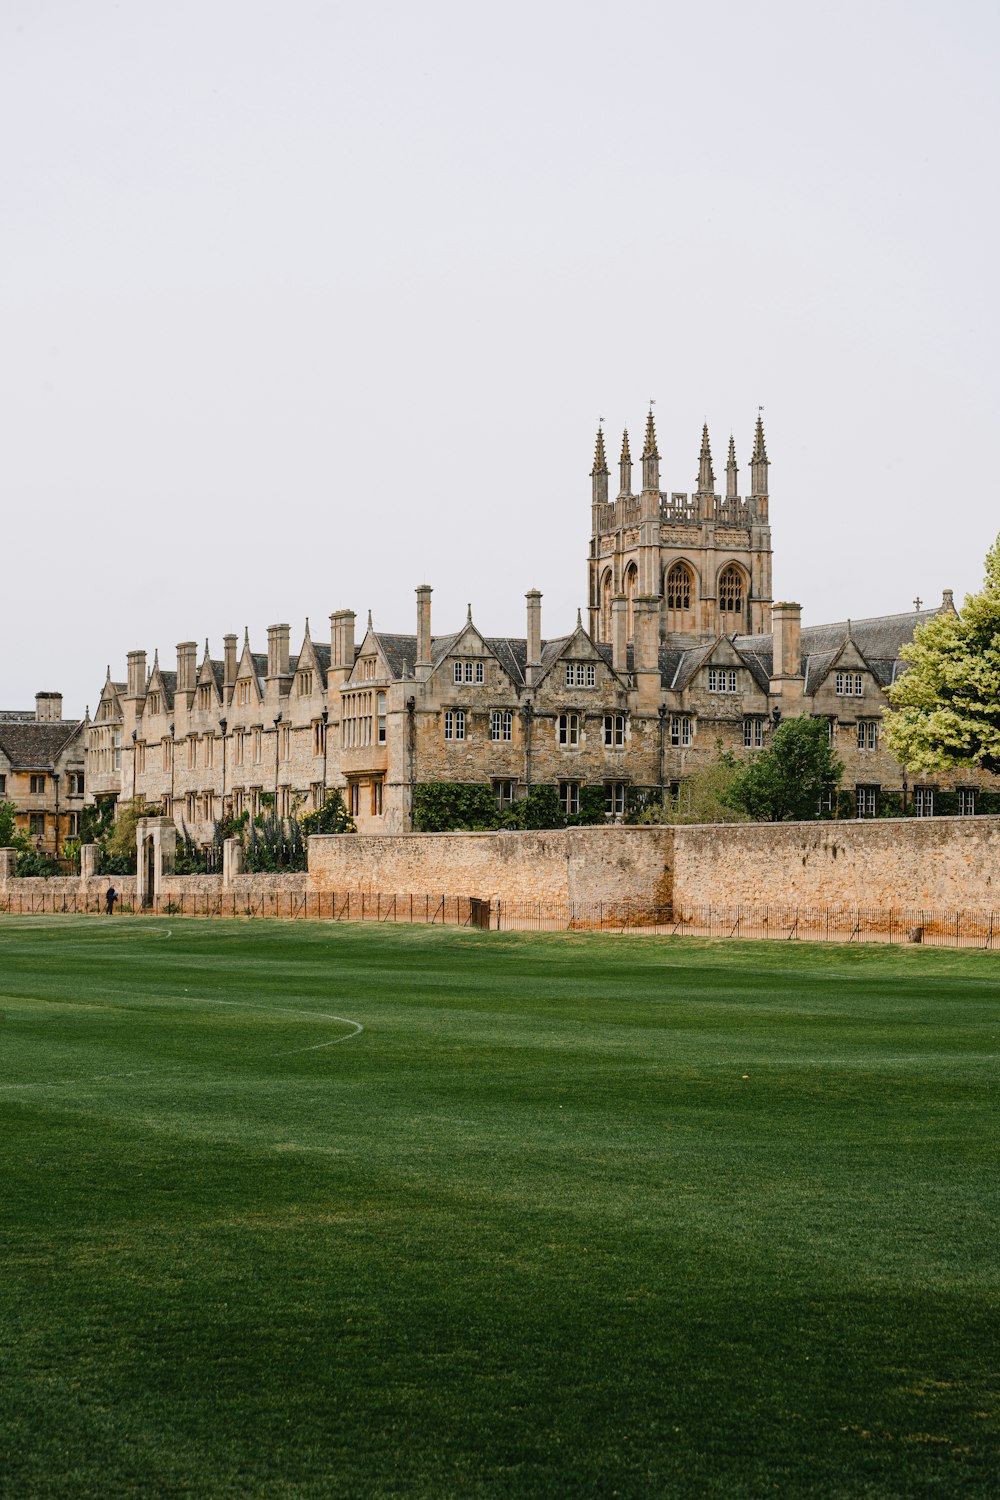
[
  {"x": 42, "y": 770},
  {"x": 683, "y": 649}
]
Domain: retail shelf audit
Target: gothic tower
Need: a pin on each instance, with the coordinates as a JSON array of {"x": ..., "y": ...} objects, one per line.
[{"x": 706, "y": 557}]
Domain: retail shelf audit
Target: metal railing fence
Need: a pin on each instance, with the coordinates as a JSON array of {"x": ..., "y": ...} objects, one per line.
[{"x": 856, "y": 924}]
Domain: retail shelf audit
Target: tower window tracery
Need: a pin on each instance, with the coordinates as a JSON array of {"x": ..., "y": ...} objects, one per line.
[
  {"x": 679, "y": 587},
  {"x": 731, "y": 591}
]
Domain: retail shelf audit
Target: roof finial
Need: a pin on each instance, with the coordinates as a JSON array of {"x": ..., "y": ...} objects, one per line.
[
  {"x": 579, "y": 619},
  {"x": 468, "y": 614},
  {"x": 307, "y": 628},
  {"x": 206, "y": 646},
  {"x": 246, "y": 635},
  {"x": 370, "y": 626}
]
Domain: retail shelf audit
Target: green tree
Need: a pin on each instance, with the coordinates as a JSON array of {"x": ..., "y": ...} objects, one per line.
[
  {"x": 332, "y": 817},
  {"x": 8, "y": 827},
  {"x": 947, "y": 706},
  {"x": 703, "y": 796},
  {"x": 785, "y": 782}
]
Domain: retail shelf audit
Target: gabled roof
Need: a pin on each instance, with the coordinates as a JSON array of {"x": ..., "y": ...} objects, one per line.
[{"x": 37, "y": 746}]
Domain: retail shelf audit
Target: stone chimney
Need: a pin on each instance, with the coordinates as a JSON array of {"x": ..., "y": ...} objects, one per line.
[
  {"x": 533, "y": 662},
  {"x": 341, "y": 644},
  {"x": 277, "y": 650},
  {"x": 786, "y": 643},
  {"x": 229, "y": 661},
  {"x": 187, "y": 666},
  {"x": 423, "y": 663},
  {"x": 48, "y": 707},
  {"x": 136, "y": 674},
  {"x": 619, "y": 633}
]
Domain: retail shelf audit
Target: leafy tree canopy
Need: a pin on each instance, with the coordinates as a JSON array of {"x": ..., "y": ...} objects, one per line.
[
  {"x": 947, "y": 706},
  {"x": 785, "y": 782}
]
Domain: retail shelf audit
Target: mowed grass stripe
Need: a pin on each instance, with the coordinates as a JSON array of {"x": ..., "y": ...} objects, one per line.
[{"x": 533, "y": 1232}]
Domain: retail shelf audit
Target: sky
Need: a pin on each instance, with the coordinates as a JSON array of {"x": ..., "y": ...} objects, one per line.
[{"x": 305, "y": 304}]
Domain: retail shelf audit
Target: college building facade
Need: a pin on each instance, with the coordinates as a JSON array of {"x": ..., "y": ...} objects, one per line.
[{"x": 681, "y": 650}]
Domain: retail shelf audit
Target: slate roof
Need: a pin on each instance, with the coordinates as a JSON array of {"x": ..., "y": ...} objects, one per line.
[
  {"x": 34, "y": 746},
  {"x": 878, "y": 639}
]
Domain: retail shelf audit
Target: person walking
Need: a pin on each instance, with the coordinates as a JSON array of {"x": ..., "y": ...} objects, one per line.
[{"x": 110, "y": 897}]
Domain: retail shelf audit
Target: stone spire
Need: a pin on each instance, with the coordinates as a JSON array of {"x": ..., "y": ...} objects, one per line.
[
  {"x": 599, "y": 473},
  {"x": 706, "y": 478},
  {"x": 732, "y": 472},
  {"x": 625, "y": 467},
  {"x": 758, "y": 463},
  {"x": 650, "y": 457}
]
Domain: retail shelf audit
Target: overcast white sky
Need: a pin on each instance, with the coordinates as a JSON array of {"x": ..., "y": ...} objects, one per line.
[{"x": 304, "y": 304}]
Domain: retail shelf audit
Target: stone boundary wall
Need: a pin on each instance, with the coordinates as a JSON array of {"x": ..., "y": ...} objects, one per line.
[
  {"x": 942, "y": 863},
  {"x": 557, "y": 865},
  {"x": 70, "y": 886}
]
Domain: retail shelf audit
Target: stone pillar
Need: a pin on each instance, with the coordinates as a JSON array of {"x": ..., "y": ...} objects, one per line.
[
  {"x": 88, "y": 861},
  {"x": 8, "y": 864},
  {"x": 156, "y": 849},
  {"x": 232, "y": 861}
]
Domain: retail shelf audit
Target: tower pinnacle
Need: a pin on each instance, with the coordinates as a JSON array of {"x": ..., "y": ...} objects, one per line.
[
  {"x": 732, "y": 472},
  {"x": 706, "y": 478},
  {"x": 650, "y": 456},
  {"x": 759, "y": 461},
  {"x": 599, "y": 473},
  {"x": 625, "y": 467}
]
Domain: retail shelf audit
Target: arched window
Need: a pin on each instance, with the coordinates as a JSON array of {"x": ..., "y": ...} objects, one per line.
[
  {"x": 631, "y": 579},
  {"x": 679, "y": 588},
  {"x": 731, "y": 591},
  {"x": 607, "y": 594}
]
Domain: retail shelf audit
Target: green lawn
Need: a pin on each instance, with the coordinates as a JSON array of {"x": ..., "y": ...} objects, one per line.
[{"x": 572, "y": 1216}]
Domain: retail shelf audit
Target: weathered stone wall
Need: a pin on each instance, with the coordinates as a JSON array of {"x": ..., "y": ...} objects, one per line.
[
  {"x": 574, "y": 864},
  {"x": 68, "y": 888},
  {"x": 940, "y": 863}
]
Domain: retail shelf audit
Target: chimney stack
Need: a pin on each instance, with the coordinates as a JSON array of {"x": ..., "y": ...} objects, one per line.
[
  {"x": 187, "y": 666},
  {"x": 229, "y": 661},
  {"x": 533, "y": 664},
  {"x": 48, "y": 707},
  {"x": 423, "y": 663},
  {"x": 341, "y": 644},
  {"x": 786, "y": 651},
  {"x": 136, "y": 674},
  {"x": 277, "y": 650}
]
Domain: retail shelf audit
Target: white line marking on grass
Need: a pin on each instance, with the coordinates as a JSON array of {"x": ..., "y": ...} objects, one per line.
[{"x": 285, "y": 1010}]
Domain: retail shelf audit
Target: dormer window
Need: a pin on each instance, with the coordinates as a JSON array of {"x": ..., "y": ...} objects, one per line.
[
  {"x": 243, "y": 692},
  {"x": 581, "y": 674},
  {"x": 205, "y": 695},
  {"x": 469, "y": 671},
  {"x": 304, "y": 684},
  {"x": 369, "y": 669},
  {"x": 153, "y": 703},
  {"x": 850, "y": 684},
  {"x": 721, "y": 680}
]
